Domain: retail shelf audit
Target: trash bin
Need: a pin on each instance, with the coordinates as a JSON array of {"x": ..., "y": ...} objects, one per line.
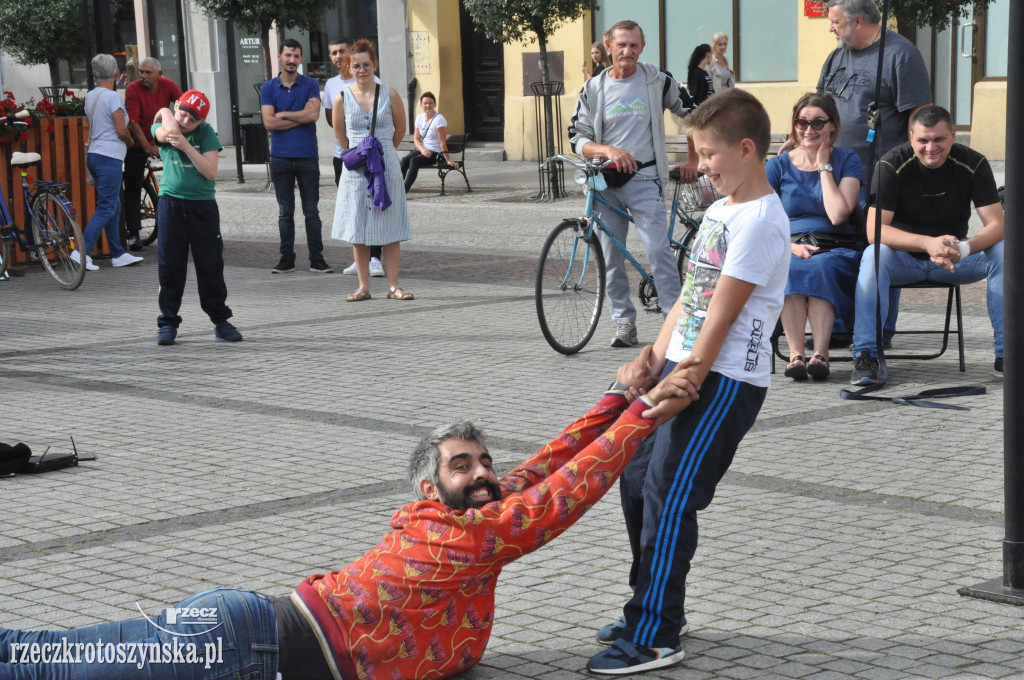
[{"x": 254, "y": 143}]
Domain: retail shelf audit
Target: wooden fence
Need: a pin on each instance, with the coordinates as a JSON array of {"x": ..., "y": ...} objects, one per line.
[{"x": 61, "y": 143}]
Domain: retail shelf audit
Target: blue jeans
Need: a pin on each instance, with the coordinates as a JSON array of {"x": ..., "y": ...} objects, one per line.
[
  {"x": 896, "y": 267},
  {"x": 241, "y": 644},
  {"x": 107, "y": 217},
  {"x": 286, "y": 173}
]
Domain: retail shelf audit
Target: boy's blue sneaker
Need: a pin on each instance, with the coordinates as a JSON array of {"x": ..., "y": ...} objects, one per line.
[
  {"x": 625, "y": 658},
  {"x": 166, "y": 335},
  {"x": 613, "y": 631},
  {"x": 225, "y": 331}
]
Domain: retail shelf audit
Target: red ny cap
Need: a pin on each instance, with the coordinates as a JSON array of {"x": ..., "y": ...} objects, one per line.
[{"x": 196, "y": 103}]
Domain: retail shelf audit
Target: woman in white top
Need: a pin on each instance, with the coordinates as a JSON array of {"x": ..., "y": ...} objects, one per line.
[
  {"x": 721, "y": 75},
  {"x": 108, "y": 143},
  {"x": 431, "y": 139}
]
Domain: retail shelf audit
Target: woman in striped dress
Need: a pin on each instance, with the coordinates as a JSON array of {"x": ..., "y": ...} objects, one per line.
[{"x": 356, "y": 220}]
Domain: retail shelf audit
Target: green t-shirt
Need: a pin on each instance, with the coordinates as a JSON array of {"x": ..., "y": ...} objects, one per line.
[{"x": 180, "y": 178}]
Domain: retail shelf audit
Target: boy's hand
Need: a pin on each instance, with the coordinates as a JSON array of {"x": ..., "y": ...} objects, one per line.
[
  {"x": 673, "y": 394},
  {"x": 178, "y": 141},
  {"x": 637, "y": 373}
]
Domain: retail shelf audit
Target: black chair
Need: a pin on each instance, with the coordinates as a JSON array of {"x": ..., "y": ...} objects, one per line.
[
  {"x": 954, "y": 296},
  {"x": 457, "y": 152}
]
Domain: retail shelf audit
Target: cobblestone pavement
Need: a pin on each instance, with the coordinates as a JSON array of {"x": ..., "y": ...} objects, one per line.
[{"x": 833, "y": 550}]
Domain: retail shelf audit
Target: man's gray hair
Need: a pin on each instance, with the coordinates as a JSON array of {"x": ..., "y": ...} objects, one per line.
[
  {"x": 427, "y": 456},
  {"x": 865, "y": 9},
  {"x": 154, "y": 62},
  {"x": 104, "y": 67}
]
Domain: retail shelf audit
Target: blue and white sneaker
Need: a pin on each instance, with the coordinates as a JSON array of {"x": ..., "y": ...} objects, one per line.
[
  {"x": 225, "y": 331},
  {"x": 625, "y": 658},
  {"x": 613, "y": 631},
  {"x": 166, "y": 335}
]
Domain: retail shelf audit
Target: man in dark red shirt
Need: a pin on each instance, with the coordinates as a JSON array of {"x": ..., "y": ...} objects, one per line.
[{"x": 143, "y": 98}]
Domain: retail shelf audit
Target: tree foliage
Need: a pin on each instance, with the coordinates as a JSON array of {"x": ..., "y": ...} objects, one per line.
[
  {"x": 257, "y": 16},
  {"x": 42, "y": 32},
  {"x": 508, "y": 22},
  {"x": 937, "y": 13}
]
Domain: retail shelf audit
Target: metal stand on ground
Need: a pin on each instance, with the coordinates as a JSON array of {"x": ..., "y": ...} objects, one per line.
[
  {"x": 54, "y": 93},
  {"x": 551, "y": 179}
]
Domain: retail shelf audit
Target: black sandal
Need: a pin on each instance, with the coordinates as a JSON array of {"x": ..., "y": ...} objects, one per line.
[
  {"x": 797, "y": 368},
  {"x": 818, "y": 367}
]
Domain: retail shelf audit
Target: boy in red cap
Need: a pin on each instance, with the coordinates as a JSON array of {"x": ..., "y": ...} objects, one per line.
[{"x": 188, "y": 216}]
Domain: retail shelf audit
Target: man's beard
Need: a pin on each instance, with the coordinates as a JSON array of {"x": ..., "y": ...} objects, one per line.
[{"x": 463, "y": 500}]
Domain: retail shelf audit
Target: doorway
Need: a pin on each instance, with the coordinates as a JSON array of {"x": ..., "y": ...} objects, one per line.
[{"x": 483, "y": 83}]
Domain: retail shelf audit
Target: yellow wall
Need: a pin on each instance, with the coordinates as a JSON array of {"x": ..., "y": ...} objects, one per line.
[
  {"x": 574, "y": 41},
  {"x": 440, "y": 20},
  {"x": 988, "y": 119},
  {"x": 815, "y": 42}
]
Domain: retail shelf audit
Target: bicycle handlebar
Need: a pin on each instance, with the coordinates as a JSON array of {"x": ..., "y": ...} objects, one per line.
[
  {"x": 16, "y": 118},
  {"x": 593, "y": 164}
]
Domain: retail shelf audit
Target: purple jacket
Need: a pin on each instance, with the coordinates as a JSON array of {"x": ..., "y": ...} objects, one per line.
[{"x": 370, "y": 154}]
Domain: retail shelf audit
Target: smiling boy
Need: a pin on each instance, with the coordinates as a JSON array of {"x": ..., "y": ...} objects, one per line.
[
  {"x": 188, "y": 217},
  {"x": 725, "y": 314}
]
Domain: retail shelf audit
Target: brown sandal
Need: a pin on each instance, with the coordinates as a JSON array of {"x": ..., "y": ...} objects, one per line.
[
  {"x": 358, "y": 296},
  {"x": 397, "y": 293}
]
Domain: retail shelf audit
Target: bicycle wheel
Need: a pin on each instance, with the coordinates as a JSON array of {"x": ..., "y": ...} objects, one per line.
[
  {"x": 147, "y": 213},
  {"x": 5, "y": 257},
  {"x": 57, "y": 236},
  {"x": 683, "y": 254},
  {"x": 570, "y": 287}
]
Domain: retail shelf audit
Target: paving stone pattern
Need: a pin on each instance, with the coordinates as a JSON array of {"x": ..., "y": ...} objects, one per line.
[{"x": 833, "y": 549}]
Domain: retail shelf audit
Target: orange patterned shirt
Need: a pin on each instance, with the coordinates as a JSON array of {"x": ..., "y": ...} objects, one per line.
[{"x": 421, "y": 603}]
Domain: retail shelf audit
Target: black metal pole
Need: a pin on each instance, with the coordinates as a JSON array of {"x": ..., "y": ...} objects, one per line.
[
  {"x": 236, "y": 126},
  {"x": 1010, "y": 588},
  {"x": 1013, "y": 398},
  {"x": 87, "y": 44}
]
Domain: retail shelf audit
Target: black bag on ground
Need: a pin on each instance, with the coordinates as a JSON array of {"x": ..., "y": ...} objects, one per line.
[{"x": 13, "y": 458}]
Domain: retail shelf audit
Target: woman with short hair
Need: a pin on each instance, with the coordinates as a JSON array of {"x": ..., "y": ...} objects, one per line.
[{"x": 108, "y": 143}]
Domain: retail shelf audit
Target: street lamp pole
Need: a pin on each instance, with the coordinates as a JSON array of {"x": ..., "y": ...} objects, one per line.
[{"x": 1009, "y": 589}]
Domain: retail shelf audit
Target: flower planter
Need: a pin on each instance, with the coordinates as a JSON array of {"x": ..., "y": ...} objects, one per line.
[{"x": 61, "y": 143}]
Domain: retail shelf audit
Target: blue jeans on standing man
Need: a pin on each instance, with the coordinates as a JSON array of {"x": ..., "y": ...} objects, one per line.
[
  {"x": 107, "y": 217},
  {"x": 286, "y": 173},
  {"x": 896, "y": 267},
  {"x": 242, "y": 644}
]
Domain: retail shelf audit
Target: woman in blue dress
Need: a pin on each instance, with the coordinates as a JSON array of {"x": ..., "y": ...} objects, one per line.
[
  {"x": 361, "y": 218},
  {"x": 818, "y": 185}
]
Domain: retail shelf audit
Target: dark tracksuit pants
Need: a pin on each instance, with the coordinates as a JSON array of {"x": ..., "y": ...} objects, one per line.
[
  {"x": 190, "y": 225},
  {"x": 670, "y": 478}
]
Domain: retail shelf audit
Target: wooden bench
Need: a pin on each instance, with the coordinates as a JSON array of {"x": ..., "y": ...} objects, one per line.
[{"x": 456, "y": 150}]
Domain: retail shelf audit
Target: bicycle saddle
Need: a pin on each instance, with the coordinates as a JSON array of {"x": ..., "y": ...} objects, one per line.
[{"x": 18, "y": 158}]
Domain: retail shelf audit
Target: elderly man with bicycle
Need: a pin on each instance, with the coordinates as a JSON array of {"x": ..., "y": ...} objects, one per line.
[
  {"x": 142, "y": 99},
  {"x": 619, "y": 116}
]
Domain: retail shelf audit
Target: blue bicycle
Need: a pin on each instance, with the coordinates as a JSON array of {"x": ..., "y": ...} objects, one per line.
[
  {"x": 56, "y": 239},
  {"x": 570, "y": 281}
]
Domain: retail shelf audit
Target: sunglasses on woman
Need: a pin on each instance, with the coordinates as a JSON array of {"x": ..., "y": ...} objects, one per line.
[{"x": 816, "y": 124}]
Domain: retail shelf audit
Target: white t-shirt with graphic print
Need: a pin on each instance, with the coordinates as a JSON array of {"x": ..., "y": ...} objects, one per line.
[
  {"x": 750, "y": 242},
  {"x": 627, "y": 118}
]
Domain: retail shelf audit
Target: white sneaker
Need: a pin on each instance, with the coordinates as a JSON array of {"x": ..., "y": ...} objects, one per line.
[
  {"x": 89, "y": 266},
  {"x": 351, "y": 269},
  {"x": 376, "y": 268},
  {"x": 125, "y": 259}
]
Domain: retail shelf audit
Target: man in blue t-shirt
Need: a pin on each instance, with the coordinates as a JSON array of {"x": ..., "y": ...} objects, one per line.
[{"x": 290, "y": 105}]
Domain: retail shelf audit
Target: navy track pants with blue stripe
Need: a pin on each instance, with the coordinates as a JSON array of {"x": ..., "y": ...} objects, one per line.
[{"x": 672, "y": 477}]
